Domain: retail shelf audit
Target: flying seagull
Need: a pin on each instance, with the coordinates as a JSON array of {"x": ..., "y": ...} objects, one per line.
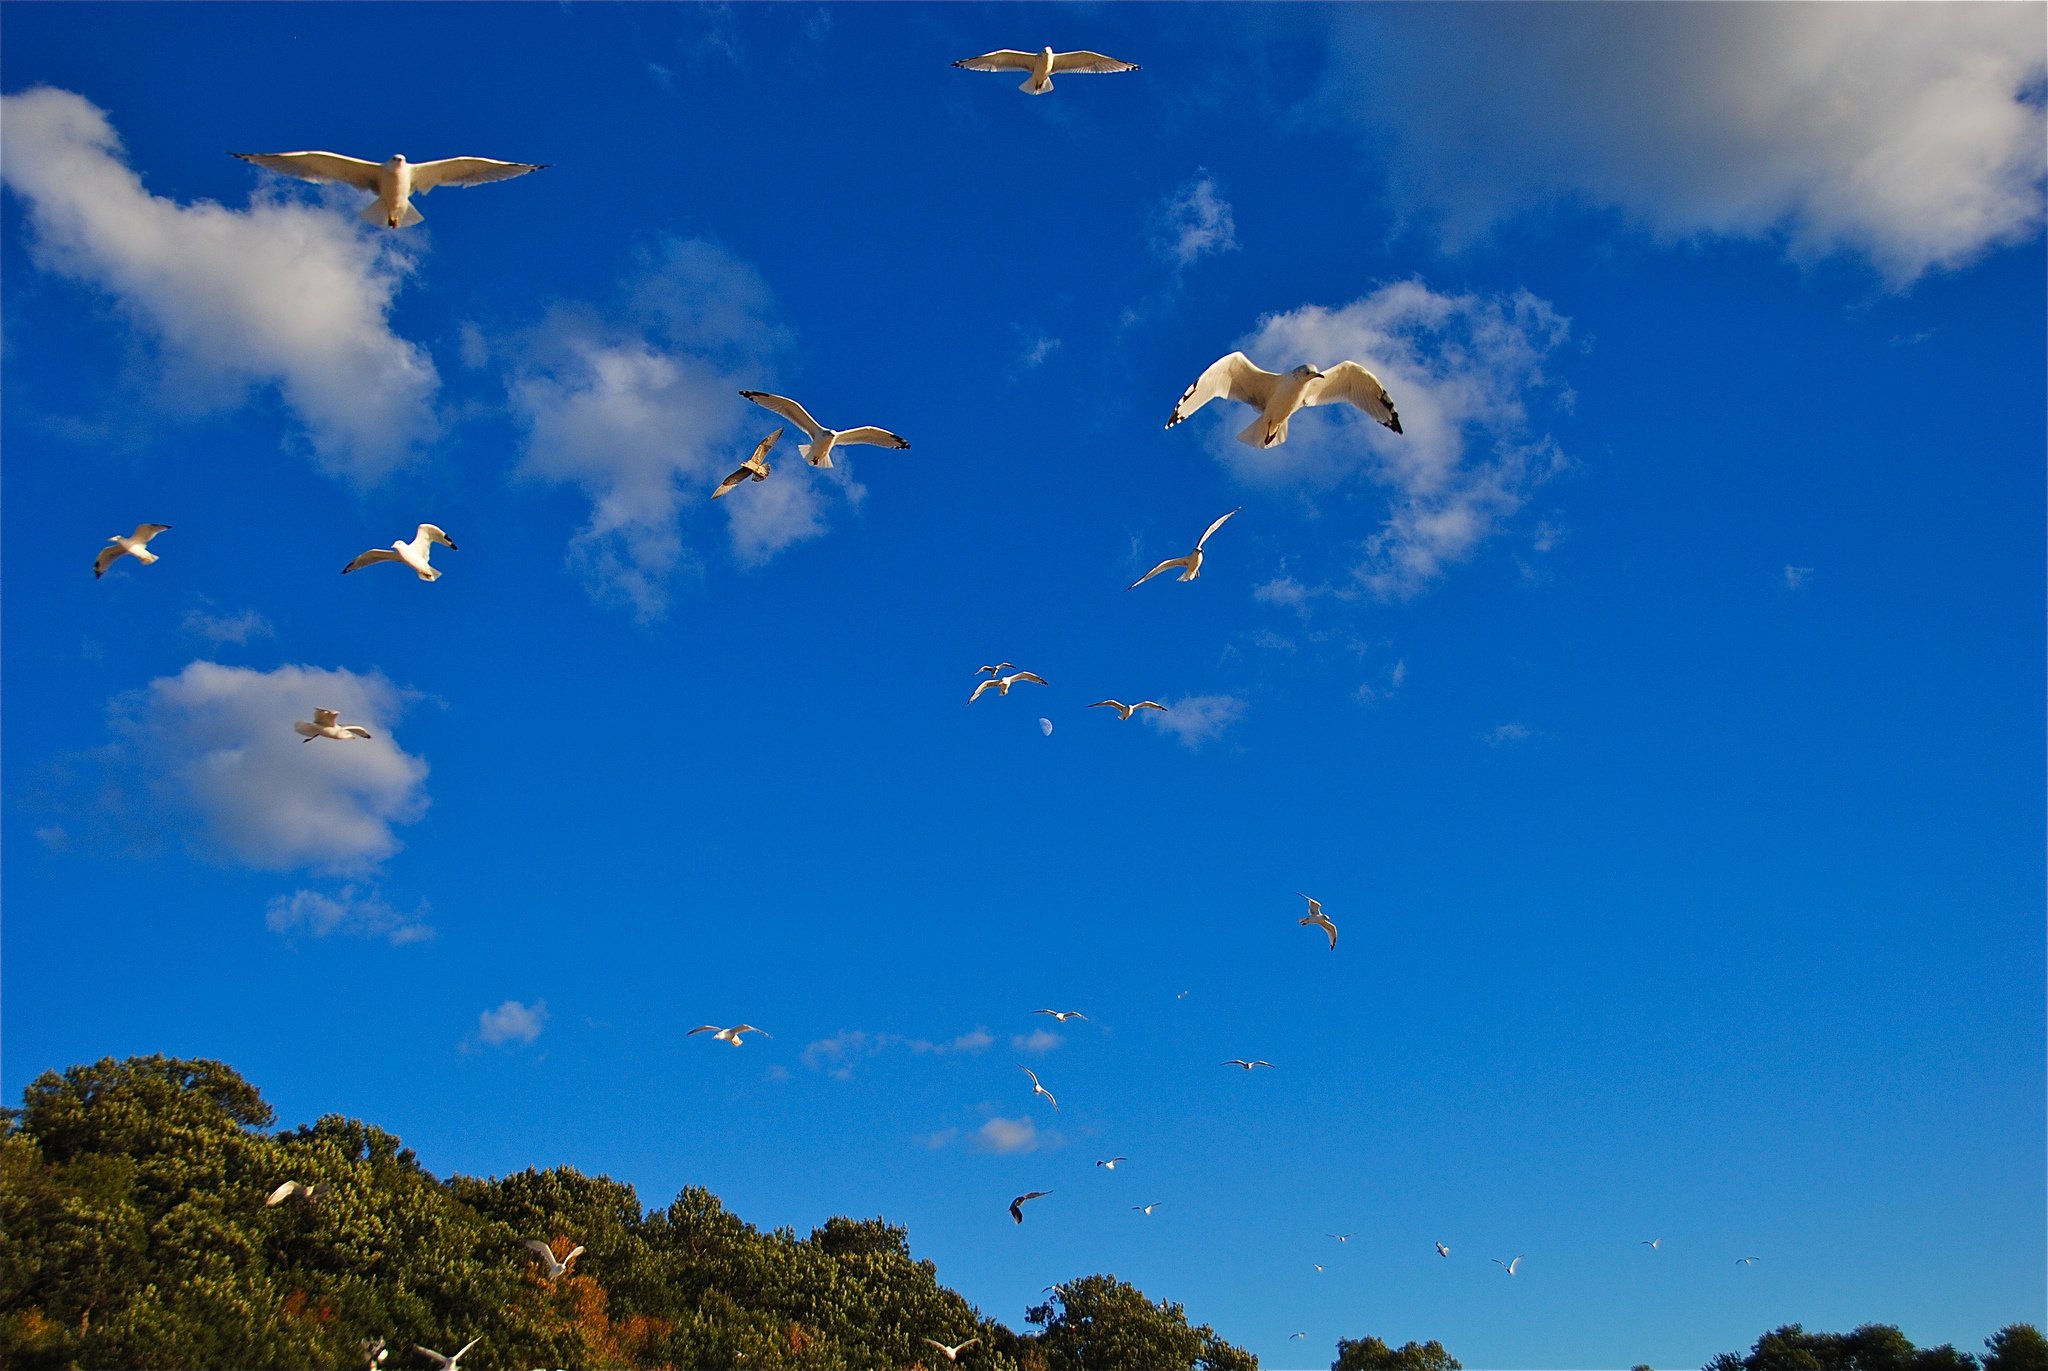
[
  {"x": 727, "y": 1035},
  {"x": 1278, "y": 397},
  {"x": 1442, "y": 1251},
  {"x": 1317, "y": 1265},
  {"x": 1292, "y": 1336},
  {"x": 1341, "y": 1237},
  {"x": 1062, "y": 1014},
  {"x": 753, "y": 469},
  {"x": 1110, "y": 1165},
  {"x": 1017, "y": 1205},
  {"x": 395, "y": 182},
  {"x": 1320, "y": 920},
  {"x": 1043, "y": 65},
  {"x": 1747, "y": 1261},
  {"x": 1192, "y": 563},
  {"x": 555, "y": 1268},
  {"x": 134, "y": 545},
  {"x": 414, "y": 554},
  {"x": 1239, "y": 1061},
  {"x": 998, "y": 669},
  {"x": 953, "y": 1353},
  {"x": 448, "y": 1363},
  {"x": 1147, "y": 1208},
  {"x": 818, "y": 452},
  {"x": 1652, "y": 1243},
  {"x": 1124, "y": 711},
  {"x": 319, "y": 1190},
  {"x": 327, "y": 724},
  {"x": 1002, "y": 684},
  {"x": 1038, "y": 1089},
  {"x": 1508, "y": 1267}
]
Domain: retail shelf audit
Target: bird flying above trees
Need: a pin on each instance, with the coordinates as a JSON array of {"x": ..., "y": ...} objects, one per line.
[
  {"x": 953, "y": 1353},
  {"x": 311, "y": 1194},
  {"x": 546, "y": 1252}
]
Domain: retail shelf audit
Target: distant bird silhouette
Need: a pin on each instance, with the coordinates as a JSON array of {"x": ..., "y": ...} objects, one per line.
[
  {"x": 1017, "y": 1205},
  {"x": 1508, "y": 1267},
  {"x": 1062, "y": 1014},
  {"x": 727, "y": 1035},
  {"x": 1239, "y": 1061},
  {"x": 1320, "y": 920},
  {"x": 1038, "y": 1089},
  {"x": 1110, "y": 1165},
  {"x": 1442, "y": 1251}
]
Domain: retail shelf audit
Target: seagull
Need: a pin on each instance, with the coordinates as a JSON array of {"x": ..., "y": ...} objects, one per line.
[
  {"x": 1652, "y": 1243},
  {"x": 998, "y": 669},
  {"x": 1442, "y": 1251},
  {"x": 1017, "y": 1205},
  {"x": 327, "y": 724},
  {"x": 1747, "y": 1261},
  {"x": 1320, "y": 920},
  {"x": 374, "y": 1352},
  {"x": 1043, "y": 65},
  {"x": 1278, "y": 397},
  {"x": 413, "y": 554},
  {"x": 1063, "y": 1014},
  {"x": 727, "y": 1035},
  {"x": 1110, "y": 1165},
  {"x": 546, "y": 1253},
  {"x": 1317, "y": 1265},
  {"x": 1239, "y": 1061},
  {"x": 1124, "y": 711},
  {"x": 1148, "y": 1208},
  {"x": 395, "y": 181},
  {"x": 1002, "y": 684},
  {"x": 1341, "y": 1237},
  {"x": 1038, "y": 1089},
  {"x": 448, "y": 1363},
  {"x": 319, "y": 1190},
  {"x": 953, "y": 1353},
  {"x": 134, "y": 545},
  {"x": 1292, "y": 1336},
  {"x": 818, "y": 452},
  {"x": 1508, "y": 1267},
  {"x": 753, "y": 469},
  {"x": 1192, "y": 563}
]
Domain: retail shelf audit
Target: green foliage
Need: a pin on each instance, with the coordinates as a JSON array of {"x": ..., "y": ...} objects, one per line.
[
  {"x": 1873, "y": 1347},
  {"x": 1099, "y": 1323},
  {"x": 2017, "y": 1347},
  {"x": 1370, "y": 1354}
]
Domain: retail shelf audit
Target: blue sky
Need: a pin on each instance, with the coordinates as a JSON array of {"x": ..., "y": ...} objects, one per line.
[{"x": 1659, "y": 717}]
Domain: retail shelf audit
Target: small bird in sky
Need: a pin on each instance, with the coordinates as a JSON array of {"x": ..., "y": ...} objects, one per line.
[
  {"x": 998, "y": 669},
  {"x": 1508, "y": 1267},
  {"x": 1043, "y": 65},
  {"x": 1292, "y": 1336},
  {"x": 546, "y": 1253},
  {"x": 726, "y": 1035},
  {"x": 818, "y": 452},
  {"x": 1320, "y": 920},
  {"x": 1147, "y": 1208},
  {"x": 326, "y": 723},
  {"x": 1747, "y": 1261},
  {"x": 753, "y": 469},
  {"x": 1318, "y": 1265},
  {"x": 1239, "y": 1061},
  {"x": 953, "y": 1353},
  {"x": 1191, "y": 564},
  {"x": 448, "y": 1363},
  {"x": 1341, "y": 1237},
  {"x": 1002, "y": 684},
  {"x": 1110, "y": 1164},
  {"x": 134, "y": 545},
  {"x": 1652, "y": 1243},
  {"x": 1062, "y": 1014},
  {"x": 1124, "y": 711},
  {"x": 311, "y": 1194},
  {"x": 1442, "y": 1251},
  {"x": 1017, "y": 1205},
  {"x": 1038, "y": 1089},
  {"x": 1277, "y": 397},
  {"x": 394, "y": 182},
  {"x": 414, "y": 554}
]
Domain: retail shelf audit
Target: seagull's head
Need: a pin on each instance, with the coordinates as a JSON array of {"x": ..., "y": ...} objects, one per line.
[{"x": 1306, "y": 372}]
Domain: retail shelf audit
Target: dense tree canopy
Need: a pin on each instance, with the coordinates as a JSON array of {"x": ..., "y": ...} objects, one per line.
[
  {"x": 1881, "y": 1347},
  {"x": 1370, "y": 1354}
]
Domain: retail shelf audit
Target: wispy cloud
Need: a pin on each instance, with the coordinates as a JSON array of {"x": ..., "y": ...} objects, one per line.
[
  {"x": 1502, "y": 734},
  {"x": 1194, "y": 222},
  {"x": 349, "y": 911},
  {"x": 227, "y": 628},
  {"x": 839, "y": 1054},
  {"x": 1038, "y": 1041},
  {"x": 1008, "y": 1137},
  {"x": 512, "y": 1022},
  {"x": 1197, "y": 719},
  {"x": 282, "y": 293},
  {"x": 1387, "y": 685},
  {"x": 1796, "y": 576}
]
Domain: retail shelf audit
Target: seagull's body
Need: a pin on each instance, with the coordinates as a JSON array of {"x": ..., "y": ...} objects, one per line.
[
  {"x": 753, "y": 469},
  {"x": 1239, "y": 1061},
  {"x": 394, "y": 182},
  {"x": 1508, "y": 1266},
  {"x": 414, "y": 554},
  {"x": 1276, "y": 397},
  {"x": 448, "y": 1363},
  {"x": 818, "y": 452},
  {"x": 135, "y": 545},
  {"x": 726, "y": 1035},
  {"x": 1320, "y": 920},
  {"x": 1063, "y": 1014},
  {"x": 1124, "y": 711},
  {"x": 1442, "y": 1251},
  {"x": 1341, "y": 1237},
  {"x": 1038, "y": 1089},
  {"x": 326, "y": 723},
  {"x": 1002, "y": 684},
  {"x": 1110, "y": 1164},
  {"x": 1191, "y": 564},
  {"x": 319, "y": 1190},
  {"x": 1043, "y": 65},
  {"x": 1017, "y": 1205},
  {"x": 555, "y": 1268},
  {"x": 953, "y": 1353},
  {"x": 1147, "y": 1208}
]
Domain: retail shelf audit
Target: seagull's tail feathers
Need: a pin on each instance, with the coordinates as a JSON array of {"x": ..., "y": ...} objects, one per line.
[
  {"x": 144, "y": 556},
  {"x": 374, "y": 213},
  {"x": 1036, "y": 85},
  {"x": 1258, "y": 433},
  {"x": 817, "y": 455}
]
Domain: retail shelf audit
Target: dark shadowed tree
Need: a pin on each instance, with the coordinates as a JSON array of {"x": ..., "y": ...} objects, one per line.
[
  {"x": 1099, "y": 1323},
  {"x": 1370, "y": 1354},
  {"x": 2017, "y": 1347},
  {"x": 1872, "y": 1347}
]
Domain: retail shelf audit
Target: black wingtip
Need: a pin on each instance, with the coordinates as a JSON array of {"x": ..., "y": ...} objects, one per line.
[{"x": 1395, "y": 423}]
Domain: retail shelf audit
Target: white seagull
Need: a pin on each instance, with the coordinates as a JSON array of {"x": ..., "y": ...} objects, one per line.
[
  {"x": 394, "y": 182},
  {"x": 953, "y": 1353},
  {"x": 327, "y": 723},
  {"x": 998, "y": 669},
  {"x": 1341, "y": 1237},
  {"x": 319, "y": 1190},
  {"x": 753, "y": 469},
  {"x": 1147, "y": 1208},
  {"x": 1747, "y": 1261},
  {"x": 1110, "y": 1165},
  {"x": 1192, "y": 563},
  {"x": 1276, "y": 397},
  {"x": 1239, "y": 1061},
  {"x": 1292, "y": 1336},
  {"x": 1017, "y": 1205},
  {"x": 727, "y": 1035},
  {"x": 1508, "y": 1267},
  {"x": 546, "y": 1253},
  {"x": 1124, "y": 711},
  {"x": 1002, "y": 684},
  {"x": 414, "y": 554},
  {"x": 818, "y": 452},
  {"x": 1043, "y": 65},
  {"x": 1320, "y": 920},
  {"x": 1038, "y": 1089},
  {"x": 1063, "y": 1014},
  {"x": 134, "y": 545},
  {"x": 1442, "y": 1251},
  {"x": 448, "y": 1363},
  {"x": 1652, "y": 1243}
]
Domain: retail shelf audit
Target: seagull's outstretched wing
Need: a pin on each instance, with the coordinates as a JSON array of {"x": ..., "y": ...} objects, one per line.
[
  {"x": 877, "y": 437},
  {"x": 106, "y": 558},
  {"x": 538, "y": 1246},
  {"x": 788, "y": 409},
  {"x": 704, "y": 1028},
  {"x": 323, "y": 718},
  {"x": 1166, "y": 565},
  {"x": 1017, "y": 1205},
  {"x": 1088, "y": 61},
  {"x": 978, "y": 689},
  {"x": 1002, "y": 59},
  {"x": 1351, "y": 384},
  {"x": 1212, "y": 528},
  {"x": 761, "y": 448},
  {"x": 144, "y": 532},
  {"x": 317, "y": 166},
  {"x": 1234, "y": 377},
  {"x": 373, "y": 556},
  {"x": 733, "y": 480},
  {"x": 1027, "y": 676},
  {"x": 1150, "y": 704},
  {"x": 466, "y": 171}
]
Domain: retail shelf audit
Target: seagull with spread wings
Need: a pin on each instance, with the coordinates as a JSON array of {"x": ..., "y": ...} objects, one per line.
[
  {"x": 1124, "y": 711},
  {"x": 1442, "y": 1251},
  {"x": 1147, "y": 1208},
  {"x": 953, "y": 1352},
  {"x": 414, "y": 554},
  {"x": 394, "y": 182},
  {"x": 998, "y": 669},
  {"x": 1191, "y": 564},
  {"x": 1038, "y": 1089},
  {"x": 1043, "y": 65},
  {"x": 1017, "y": 1205},
  {"x": 447, "y": 1363},
  {"x": 291, "y": 1190},
  {"x": 555, "y": 1266},
  {"x": 753, "y": 469},
  {"x": 1063, "y": 1014},
  {"x": 1509, "y": 1266},
  {"x": 326, "y": 723},
  {"x": 1239, "y": 1061},
  {"x": 818, "y": 452},
  {"x": 1002, "y": 684},
  {"x": 1277, "y": 397},
  {"x": 1319, "y": 919},
  {"x": 135, "y": 545},
  {"x": 1110, "y": 1164},
  {"x": 727, "y": 1035}
]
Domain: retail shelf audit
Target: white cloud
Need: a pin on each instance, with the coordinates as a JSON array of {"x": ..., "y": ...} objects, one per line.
[
  {"x": 1008, "y": 1137},
  {"x": 839, "y": 1054},
  {"x": 54, "y": 837},
  {"x": 1505, "y": 733},
  {"x": 642, "y": 412},
  {"x": 1464, "y": 371},
  {"x": 1038, "y": 349},
  {"x": 1911, "y": 134},
  {"x": 227, "y": 628},
  {"x": 1194, "y": 222},
  {"x": 512, "y": 1022},
  {"x": 1037, "y": 1042},
  {"x": 360, "y": 914},
  {"x": 1796, "y": 576},
  {"x": 938, "y": 1138},
  {"x": 1390, "y": 682},
  {"x": 1197, "y": 719},
  {"x": 212, "y": 755},
  {"x": 282, "y": 293}
]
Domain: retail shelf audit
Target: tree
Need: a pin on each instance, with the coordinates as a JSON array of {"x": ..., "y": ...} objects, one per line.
[
  {"x": 1370, "y": 1354},
  {"x": 1872, "y": 1347},
  {"x": 2017, "y": 1347},
  {"x": 1104, "y": 1324}
]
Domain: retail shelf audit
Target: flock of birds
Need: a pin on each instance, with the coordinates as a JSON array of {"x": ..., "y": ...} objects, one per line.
[{"x": 1274, "y": 397}]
